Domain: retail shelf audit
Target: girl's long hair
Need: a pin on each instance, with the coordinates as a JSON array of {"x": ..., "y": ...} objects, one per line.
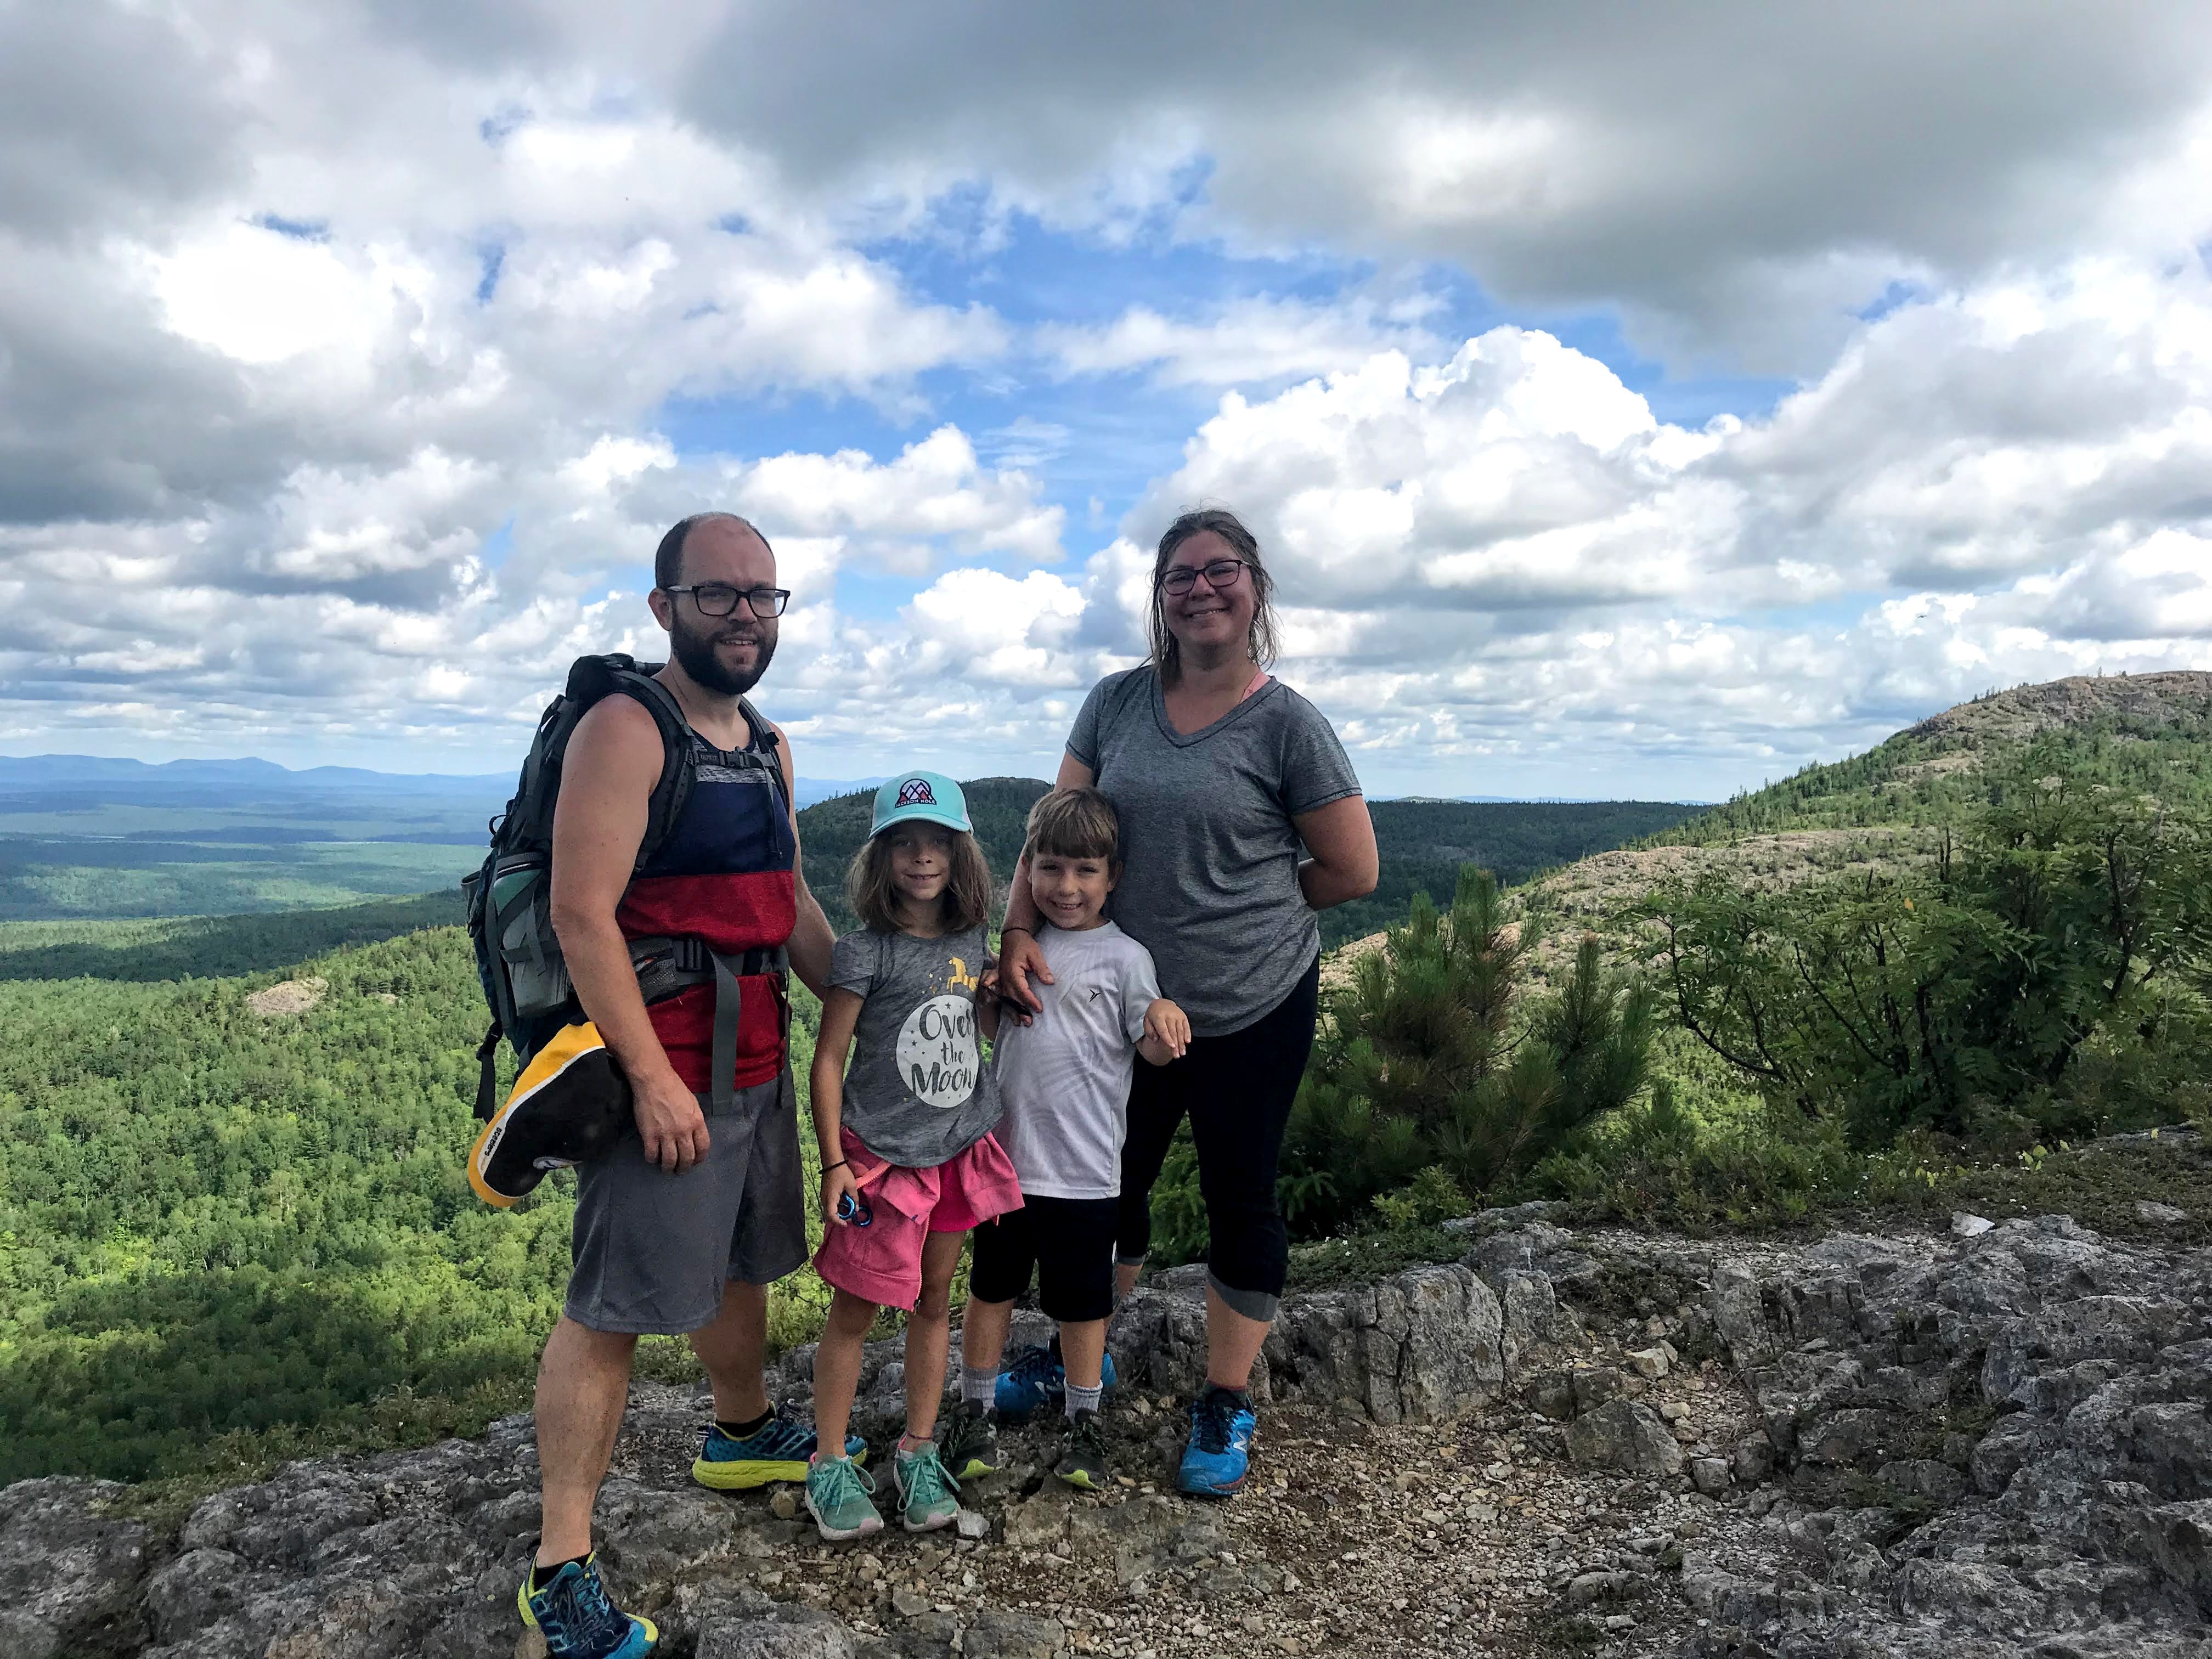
[{"x": 966, "y": 901}]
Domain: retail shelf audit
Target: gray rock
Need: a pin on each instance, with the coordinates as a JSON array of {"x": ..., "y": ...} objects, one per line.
[
  {"x": 1586, "y": 1589},
  {"x": 1553, "y": 1393},
  {"x": 1593, "y": 1385},
  {"x": 1752, "y": 1461},
  {"x": 1625, "y": 1435},
  {"x": 1970, "y": 1226},
  {"x": 2153, "y": 1213},
  {"x": 1012, "y": 1635},
  {"x": 70, "y": 1576},
  {"x": 1426, "y": 1346},
  {"x": 1710, "y": 1475}
]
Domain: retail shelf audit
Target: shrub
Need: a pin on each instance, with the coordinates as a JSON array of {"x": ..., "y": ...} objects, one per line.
[
  {"x": 2040, "y": 974},
  {"x": 1420, "y": 1076}
]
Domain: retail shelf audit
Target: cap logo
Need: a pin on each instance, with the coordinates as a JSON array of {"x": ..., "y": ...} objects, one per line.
[{"x": 916, "y": 792}]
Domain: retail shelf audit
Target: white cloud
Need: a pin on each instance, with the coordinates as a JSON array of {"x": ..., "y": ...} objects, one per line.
[
  {"x": 347, "y": 353},
  {"x": 1249, "y": 340}
]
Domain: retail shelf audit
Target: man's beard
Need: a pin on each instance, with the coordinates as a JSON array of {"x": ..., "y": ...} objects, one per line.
[{"x": 695, "y": 652}]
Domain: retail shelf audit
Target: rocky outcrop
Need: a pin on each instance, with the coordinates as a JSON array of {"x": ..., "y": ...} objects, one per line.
[
  {"x": 1878, "y": 1447},
  {"x": 1998, "y": 1444}
]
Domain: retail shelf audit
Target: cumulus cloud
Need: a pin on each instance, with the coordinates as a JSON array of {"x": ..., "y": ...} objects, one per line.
[
  {"x": 348, "y": 350},
  {"x": 1741, "y": 178},
  {"x": 1506, "y": 552},
  {"x": 1248, "y": 340}
]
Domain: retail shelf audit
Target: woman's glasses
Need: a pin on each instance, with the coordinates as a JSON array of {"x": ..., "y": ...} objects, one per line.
[
  {"x": 1220, "y": 575},
  {"x": 719, "y": 599}
]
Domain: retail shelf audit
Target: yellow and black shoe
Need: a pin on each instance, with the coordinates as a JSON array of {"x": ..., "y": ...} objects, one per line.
[
  {"x": 970, "y": 1441},
  {"x": 1083, "y": 1453},
  {"x": 779, "y": 1451}
]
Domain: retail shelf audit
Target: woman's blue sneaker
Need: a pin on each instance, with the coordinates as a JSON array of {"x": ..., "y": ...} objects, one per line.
[
  {"x": 1222, "y": 1425},
  {"x": 1037, "y": 1379},
  {"x": 778, "y": 1452},
  {"x": 573, "y": 1615}
]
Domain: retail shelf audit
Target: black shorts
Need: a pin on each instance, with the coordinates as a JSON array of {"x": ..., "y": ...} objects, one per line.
[{"x": 1067, "y": 1241}]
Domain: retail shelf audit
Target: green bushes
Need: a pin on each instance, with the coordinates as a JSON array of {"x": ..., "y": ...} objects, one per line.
[
  {"x": 2044, "y": 976},
  {"x": 1423, "y": 1079}
]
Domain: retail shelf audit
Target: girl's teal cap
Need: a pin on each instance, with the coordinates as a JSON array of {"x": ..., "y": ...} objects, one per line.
[{"x": 929, "y": 796}]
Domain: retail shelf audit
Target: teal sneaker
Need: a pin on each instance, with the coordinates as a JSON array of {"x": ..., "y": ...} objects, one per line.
[
  {"x": 837, "y": 1497},
  {"x": 1083, "y": 1453},
  {"x": 779, "y": 1451},
  {"x": 578, "y": 1621},
  {"x": 925, "y": 1489},
  {"x": 968, "y": 1441}
]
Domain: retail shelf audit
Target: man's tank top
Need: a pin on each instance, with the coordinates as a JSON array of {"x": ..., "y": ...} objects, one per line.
[{"x": 723, "y": 875}]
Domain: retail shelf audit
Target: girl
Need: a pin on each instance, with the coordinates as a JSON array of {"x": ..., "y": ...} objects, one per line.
[{"x": 909, "y": 1162}]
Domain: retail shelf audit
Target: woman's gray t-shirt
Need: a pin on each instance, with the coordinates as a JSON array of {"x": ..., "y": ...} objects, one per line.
[
  {"x": 1209, "y": 857},
  {"x": 918, "y": 1091}
]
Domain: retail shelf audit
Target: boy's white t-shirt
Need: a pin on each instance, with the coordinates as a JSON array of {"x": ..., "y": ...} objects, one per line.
[{"x": 1064, "y": 1079}]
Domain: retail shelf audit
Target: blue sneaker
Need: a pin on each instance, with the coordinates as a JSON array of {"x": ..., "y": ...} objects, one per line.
[
  {"x": 1222, "y": 1426},
  {"x": 577, "y": 1620},
  {"x": 778, "y": 1452},
  {"x": 1036, "y": 1380}
]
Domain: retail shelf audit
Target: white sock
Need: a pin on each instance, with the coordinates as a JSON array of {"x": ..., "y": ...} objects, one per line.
[
  {"x": 978, "y": 1388},
  {"x": 1084, "y": 1399}
]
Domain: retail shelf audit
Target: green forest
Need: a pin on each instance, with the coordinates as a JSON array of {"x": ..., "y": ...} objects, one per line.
[{"x": 228, "y": 1238}]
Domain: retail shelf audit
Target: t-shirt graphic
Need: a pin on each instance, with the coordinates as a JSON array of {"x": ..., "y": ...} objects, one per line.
[
  {"x": 938, "y": 1054},
  {"x": 917, "y": 1092}
]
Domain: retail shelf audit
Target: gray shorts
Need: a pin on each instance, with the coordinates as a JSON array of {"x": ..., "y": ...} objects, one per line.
[{"x": 654, "y": 1249}]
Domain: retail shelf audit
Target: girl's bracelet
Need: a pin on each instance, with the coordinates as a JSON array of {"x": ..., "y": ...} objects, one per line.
[
  {"x": 1017, "y": 928},
  {"x": 840, "y": 1164}
]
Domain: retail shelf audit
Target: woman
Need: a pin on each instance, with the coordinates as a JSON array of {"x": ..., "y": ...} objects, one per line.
[{"x": 1219, "y": 773}]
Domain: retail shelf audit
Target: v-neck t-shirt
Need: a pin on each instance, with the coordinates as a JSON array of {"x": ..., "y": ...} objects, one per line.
[{"x": 1209, "y": 852}]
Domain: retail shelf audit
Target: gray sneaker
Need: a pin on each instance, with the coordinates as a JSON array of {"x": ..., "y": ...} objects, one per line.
[{"x": 837, "y": 1498}]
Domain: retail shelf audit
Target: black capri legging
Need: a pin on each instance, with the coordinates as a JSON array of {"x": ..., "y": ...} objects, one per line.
[{"x": 1237, "y": 1091}]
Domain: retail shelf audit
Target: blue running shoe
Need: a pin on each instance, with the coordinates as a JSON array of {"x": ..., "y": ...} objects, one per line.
[
  {"x": 577, "y": 1620},
  {"x": 1222, "y": 1426},
  {"x": 778, "y": 1452},
  {"x": 1036, "y": 1380}
]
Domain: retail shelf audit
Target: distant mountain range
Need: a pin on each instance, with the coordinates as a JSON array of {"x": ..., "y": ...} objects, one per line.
[{"x": 63, "y": 783}]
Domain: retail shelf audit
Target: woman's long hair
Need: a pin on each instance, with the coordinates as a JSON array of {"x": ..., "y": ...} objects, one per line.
[
  {"x": 966, "y": 901},
  {"x": 1167, "y": 650}
]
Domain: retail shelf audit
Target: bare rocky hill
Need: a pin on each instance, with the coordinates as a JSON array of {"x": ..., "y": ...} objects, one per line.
[
  {"x": 1883, "y": 1446},
  {"x": 2022, "y": 712}
]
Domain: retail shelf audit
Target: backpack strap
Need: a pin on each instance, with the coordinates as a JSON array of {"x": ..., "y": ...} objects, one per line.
[{"x": 679, "y": 768}]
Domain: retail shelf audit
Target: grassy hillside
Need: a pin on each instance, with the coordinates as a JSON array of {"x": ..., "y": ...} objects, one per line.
[
  {"x": 1423, "y": 843},
  {"x": 2146, "y": 734}
]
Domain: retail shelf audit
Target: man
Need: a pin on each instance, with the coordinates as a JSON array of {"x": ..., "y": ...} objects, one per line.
[{"x": 684, "y": 1228}]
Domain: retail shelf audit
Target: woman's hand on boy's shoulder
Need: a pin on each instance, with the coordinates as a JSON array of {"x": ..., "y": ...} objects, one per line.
[
  {"x": 1167, "y": 1032},
  {"x": 1020, "y": 956}
]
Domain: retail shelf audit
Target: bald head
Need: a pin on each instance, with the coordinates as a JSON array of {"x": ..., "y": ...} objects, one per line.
[{"x": 668, "y": 557}]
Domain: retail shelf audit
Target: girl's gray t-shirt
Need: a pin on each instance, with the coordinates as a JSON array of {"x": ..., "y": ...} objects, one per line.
[
  {"x": 917, "y": 1091},
  {"x": 1209, "y": 856}
]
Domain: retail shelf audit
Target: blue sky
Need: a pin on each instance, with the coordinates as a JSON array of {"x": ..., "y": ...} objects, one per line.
[{"x": 1619, "y": 417}]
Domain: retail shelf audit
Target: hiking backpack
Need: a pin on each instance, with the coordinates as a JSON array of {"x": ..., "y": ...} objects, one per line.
[{"x": 510, "y": 897}]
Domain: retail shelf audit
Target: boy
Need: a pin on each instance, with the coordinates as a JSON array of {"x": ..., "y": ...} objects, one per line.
[{"x": 1064, "y": 1081}]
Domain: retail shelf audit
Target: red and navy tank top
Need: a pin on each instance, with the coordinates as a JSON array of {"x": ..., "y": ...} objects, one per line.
[{"x": 723, "y": 875}]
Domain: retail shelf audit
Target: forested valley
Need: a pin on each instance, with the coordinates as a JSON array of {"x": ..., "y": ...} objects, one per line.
[{"x": 228, "y": 1236}]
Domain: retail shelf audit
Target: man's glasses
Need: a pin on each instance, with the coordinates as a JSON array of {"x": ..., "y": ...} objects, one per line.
[
  {"x": 1220, "y": 575},
  {"x": 719, "y": 599}
]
